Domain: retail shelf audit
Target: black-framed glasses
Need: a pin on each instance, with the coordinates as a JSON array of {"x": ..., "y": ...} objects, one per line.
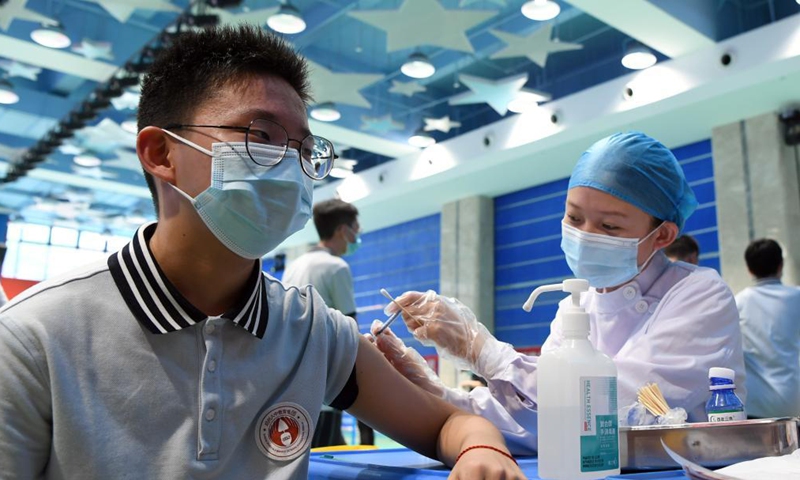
[{"x": 316, "y": 153}]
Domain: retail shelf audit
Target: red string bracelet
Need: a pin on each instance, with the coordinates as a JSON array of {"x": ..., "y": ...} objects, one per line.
[{"x": 484, "y": 446}]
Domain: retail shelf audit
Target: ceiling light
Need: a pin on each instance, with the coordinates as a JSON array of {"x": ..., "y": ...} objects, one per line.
[
  {"x": 527, "y": 101},
  {"x": 638, "y": 57},
  {"x": 51, "y": 36},
  {"x": 7, "y": 94},
  {"x": 130, "y": 125},
  {"x": 421, "y": 139},
  {"x": 88, "y": 161},
  {"x": 541, "y": 10},
  {"x": 418, "y": 66},
  {"x": 287, "y": 20},
  {"x": 325, "y": 112}
]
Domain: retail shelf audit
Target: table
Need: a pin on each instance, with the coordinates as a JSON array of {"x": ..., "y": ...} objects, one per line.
[{"x": 401, "y": 463}]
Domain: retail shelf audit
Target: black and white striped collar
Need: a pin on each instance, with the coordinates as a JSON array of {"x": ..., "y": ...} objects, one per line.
[{"x": 160, "y": 307}]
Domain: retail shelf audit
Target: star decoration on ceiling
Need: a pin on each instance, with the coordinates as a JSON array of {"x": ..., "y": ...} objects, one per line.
[
  {"x": 536, "y": 46},
  {"x": 123, "y": 9},
  {"x": 255, "y": 17},
  {"x": 467, "y": 3},
  {"x": 425, "y": 22},
  {"x": 443, "y": 124},
  {"x": 126, "y": 101},
  {"x": 16, "y": 9},
  {"x": 94, "y": 50},
  {"x": 497, "y": 93},
  {"x": 328, "y": 86},
  {"x": 17, "y": 69},
  {"x": 105, "y": 137},
  {"x": 382, "y": 124},
  {"x": 408, "y": 88}
]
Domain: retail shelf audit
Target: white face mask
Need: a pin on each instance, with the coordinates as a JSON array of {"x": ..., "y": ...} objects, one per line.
[{"x": 251, "y": 208}]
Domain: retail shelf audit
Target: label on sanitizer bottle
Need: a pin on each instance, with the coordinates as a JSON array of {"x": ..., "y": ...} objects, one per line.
[{"x": 599, "y": 425}]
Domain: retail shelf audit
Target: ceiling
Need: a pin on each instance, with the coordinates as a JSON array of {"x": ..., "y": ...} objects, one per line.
[{"x": 484, "y": 51}]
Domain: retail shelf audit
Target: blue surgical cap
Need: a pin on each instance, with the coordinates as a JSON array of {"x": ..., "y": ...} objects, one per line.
[{"x": 639, "y": 170}]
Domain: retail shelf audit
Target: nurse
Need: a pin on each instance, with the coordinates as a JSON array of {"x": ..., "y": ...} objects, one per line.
[{"x": 660, "y": 321}]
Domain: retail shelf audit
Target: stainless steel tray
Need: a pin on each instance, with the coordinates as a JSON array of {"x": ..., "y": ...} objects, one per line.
[{"x": 708, "y": 444}]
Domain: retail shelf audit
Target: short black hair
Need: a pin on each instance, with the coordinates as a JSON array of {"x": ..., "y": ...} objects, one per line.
[
  {"x": 683, "y": 247},
  {"x": 764, "y": 257},
  {"x": 197, "y": 63},
  {"x": 328, "y": 215}
]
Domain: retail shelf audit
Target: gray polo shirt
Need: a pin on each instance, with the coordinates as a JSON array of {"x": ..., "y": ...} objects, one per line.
[{"x": 108, "y": 372}]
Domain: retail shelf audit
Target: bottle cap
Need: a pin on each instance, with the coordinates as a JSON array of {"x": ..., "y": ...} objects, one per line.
[{"x": 721, "y": 372}]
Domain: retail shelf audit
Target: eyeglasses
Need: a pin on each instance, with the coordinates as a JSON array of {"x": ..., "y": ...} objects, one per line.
[{"x": 316, "y": 153}]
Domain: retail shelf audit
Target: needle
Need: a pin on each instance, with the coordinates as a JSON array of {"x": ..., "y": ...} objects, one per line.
[{"x": 394, "y": 316}]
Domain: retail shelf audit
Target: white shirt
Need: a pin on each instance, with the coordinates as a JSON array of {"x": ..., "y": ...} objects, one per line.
[
  {"x": 771, "y": 338},
  {"x": 329, "y": 274},
  {"x": 669, "y": 325}
]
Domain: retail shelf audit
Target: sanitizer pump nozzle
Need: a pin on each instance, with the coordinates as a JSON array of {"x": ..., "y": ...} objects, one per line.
[
  {"x": 572, "y": 286},
  {"x": 575, "y": 320}
]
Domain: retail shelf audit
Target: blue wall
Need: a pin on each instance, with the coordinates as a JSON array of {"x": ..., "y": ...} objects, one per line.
[
  {"x": 399, "y": 258},
  {"x": 528, "y": 253}
]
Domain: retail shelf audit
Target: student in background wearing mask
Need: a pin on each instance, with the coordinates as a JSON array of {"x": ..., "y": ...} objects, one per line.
[
  {"x": 178, "y": 357},
  {"x": 323, "y": 268},
  {"x": 660, "y": 321}
]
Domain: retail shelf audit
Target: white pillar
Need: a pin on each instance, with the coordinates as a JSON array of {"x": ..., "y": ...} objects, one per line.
[
  {"x": 757, "y": 195},
  {"x": 467, "y": 263}
]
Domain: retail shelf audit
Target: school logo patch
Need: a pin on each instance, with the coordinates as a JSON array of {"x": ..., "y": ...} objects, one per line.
[{"x": 283, "y": 432}]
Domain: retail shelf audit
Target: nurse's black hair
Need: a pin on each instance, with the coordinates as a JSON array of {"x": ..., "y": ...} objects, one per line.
[
  {"x": 194, "y": 66},
  {"x": 764, "y": 258}
]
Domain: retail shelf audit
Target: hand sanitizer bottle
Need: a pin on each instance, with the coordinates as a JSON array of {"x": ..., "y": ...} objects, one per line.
[{"x": 577, "y": 399}]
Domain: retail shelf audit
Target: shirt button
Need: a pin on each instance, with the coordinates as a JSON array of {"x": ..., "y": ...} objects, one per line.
[
  {"x": 629, "y": 292},
  {"x": 641, "y": 306},
  {"x": 212, "y": 366},
  {"x": 209, "y": 328},
  {"x": 210, "y": 414}
]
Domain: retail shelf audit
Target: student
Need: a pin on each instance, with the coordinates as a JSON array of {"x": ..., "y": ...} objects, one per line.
[
  {"x": 661, "y": 322},
  {"x": 770, "y": 334},
  {"x": 178, "y": 357},
  {"x": 323, "y": 267}
]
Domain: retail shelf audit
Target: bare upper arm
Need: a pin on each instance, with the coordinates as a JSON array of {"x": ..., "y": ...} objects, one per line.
[{"x": 390, "y": 403}]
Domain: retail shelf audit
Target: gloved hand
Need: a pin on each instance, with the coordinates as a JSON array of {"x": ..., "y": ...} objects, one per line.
[
  {"x": 445, "y": 323},
  {"x": 406, "y": 360}
]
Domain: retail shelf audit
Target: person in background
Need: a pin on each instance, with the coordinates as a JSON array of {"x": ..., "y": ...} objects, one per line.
[
  {"x": 770, "y": 323},
  {"x": 684, "y": 249},
  {"x": 179, "y": 357},
  {"x": 660, "y": 321},
  {"x": 323, "y": 267}
]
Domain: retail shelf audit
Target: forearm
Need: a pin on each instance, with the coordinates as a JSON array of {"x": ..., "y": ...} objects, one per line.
[
  {"x": 461, "y": 431},
  {"x": 517, "y": 421}
]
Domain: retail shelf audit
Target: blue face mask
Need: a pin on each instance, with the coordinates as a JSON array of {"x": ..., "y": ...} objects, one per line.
[
  {"x": 251, "y": 208},
  {"x": 353, "y": 246},
  {"x": 603, "y": 260}
]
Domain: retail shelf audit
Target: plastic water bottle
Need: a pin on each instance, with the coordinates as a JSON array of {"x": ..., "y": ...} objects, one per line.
[
  {"x": 577, "y": 397},
  {"x": 723, "y": 405}
]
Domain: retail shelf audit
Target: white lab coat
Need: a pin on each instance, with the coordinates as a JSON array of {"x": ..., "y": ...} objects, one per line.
[
  {"x": 669, "y": 325},
  {"x": 771, "y": 339}
]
